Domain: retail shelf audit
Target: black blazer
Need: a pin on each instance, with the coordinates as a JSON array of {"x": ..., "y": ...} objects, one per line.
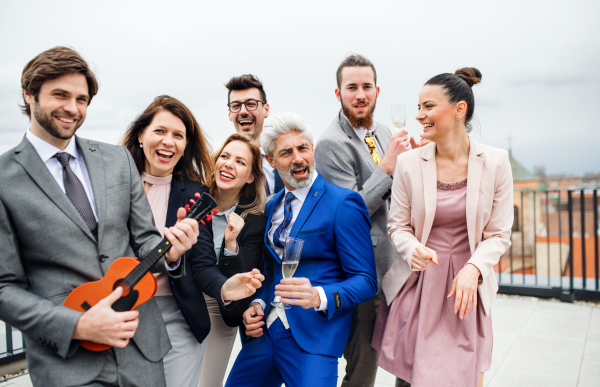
[
  {"x": 250, "y": 256},
  {"x": 201, "y": 273}
]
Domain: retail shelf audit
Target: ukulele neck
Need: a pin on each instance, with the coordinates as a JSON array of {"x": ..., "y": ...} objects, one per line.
[{"x": 150, "y": 260}]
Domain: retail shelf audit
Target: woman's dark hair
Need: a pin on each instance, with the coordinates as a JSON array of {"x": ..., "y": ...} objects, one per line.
[
  {"x": 254, "y": 190},
  {"x": 195, "y": 163},
  {"x": 457, "y": 87}
]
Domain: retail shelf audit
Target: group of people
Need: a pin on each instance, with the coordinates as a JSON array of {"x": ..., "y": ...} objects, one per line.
[{"x": 400, "y": 238}]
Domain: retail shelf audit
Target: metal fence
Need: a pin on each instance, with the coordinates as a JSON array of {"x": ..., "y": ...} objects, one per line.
[
  {"x": 554, "y": 251},
  {"x": 11, "y": 344}
]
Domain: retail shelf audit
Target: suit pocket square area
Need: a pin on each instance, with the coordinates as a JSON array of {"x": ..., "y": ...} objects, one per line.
[{"x": 313, "y": 231}]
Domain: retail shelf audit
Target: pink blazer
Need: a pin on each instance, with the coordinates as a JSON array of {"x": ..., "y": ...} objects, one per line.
[{"x": 489, "y": 213}]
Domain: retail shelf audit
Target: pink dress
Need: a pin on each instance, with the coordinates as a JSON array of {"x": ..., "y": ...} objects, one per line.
[{"x": 419, "y": 338}]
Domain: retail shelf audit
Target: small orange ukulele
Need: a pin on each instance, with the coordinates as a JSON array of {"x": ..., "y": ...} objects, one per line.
[{"x": 132, "y": 275}]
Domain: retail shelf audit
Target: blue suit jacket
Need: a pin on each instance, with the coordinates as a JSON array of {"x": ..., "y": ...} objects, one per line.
[{"x": 337, "y": 255}]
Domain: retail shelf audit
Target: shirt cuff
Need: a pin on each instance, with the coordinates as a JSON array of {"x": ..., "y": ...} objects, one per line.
[
  {"x": 323, "y": 306},
  {"x": 225, "y": 302},
  {"x": 172, "y": 266},
  {"x": 260, "y": 302},
  {"x": 228, "y": 253}
]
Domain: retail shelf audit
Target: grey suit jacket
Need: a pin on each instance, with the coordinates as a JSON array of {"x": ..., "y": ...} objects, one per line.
[
  {"x": 343, "y": 159},
  {"x": 47, "y": 251}
]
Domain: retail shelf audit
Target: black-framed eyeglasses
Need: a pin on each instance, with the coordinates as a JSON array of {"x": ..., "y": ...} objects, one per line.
[{"x": 251, "y": 105}]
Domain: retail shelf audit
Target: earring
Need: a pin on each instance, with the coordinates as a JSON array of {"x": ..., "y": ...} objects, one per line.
[
  {"x": 457, "y": 118},
  {"x": 141, "y": 146}
]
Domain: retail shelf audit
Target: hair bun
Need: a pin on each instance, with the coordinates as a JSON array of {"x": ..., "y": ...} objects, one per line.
[{"x": 470, "y": 74}]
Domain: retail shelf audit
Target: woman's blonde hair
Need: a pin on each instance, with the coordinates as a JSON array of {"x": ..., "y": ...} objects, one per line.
[{"x": 256, "y": 189}]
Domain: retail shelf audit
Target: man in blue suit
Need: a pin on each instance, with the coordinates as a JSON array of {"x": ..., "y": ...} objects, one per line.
[{"x": 336, "y": 270}]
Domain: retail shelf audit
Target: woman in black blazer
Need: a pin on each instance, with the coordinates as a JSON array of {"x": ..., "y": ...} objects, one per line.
[
  {"x": 173, "y": 158},
  {"x": 237, "y": 185}
]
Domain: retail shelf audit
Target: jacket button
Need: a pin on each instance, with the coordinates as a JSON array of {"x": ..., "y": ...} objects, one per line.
[{"x": 103, "y": 258}]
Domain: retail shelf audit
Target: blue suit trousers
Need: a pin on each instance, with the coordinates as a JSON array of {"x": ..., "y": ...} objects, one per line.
[{"x": 276, "y": 354}]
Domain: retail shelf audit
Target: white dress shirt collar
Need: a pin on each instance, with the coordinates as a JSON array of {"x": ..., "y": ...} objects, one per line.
[{"x": 47, "y": 151}]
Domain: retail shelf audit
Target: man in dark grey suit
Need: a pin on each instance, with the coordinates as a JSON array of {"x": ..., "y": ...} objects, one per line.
[
  {"x": 68, "y": 208},
  {"x": 358, "y": 153}
]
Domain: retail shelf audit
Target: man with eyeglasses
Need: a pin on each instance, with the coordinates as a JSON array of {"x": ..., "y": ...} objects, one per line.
[{"x": 248, "y": 108}]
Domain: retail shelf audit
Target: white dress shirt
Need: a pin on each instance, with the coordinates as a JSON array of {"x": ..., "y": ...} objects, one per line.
[
  {"x": 300, "y": 195},
  {"x": 362, "y": 133},
  {"x": 219, "y": 224},
  {"x": 76, "y": 162},
  {"x": 269, "y": 172}
]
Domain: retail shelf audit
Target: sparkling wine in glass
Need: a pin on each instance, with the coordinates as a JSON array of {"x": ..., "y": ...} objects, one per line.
[
  {"x": 289, "y": 263},
  {"x": 398, "y": 116}
]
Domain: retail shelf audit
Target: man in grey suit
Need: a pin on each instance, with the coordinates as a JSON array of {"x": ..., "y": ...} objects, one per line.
[
  {"x": 358, "y": 153},
  {"x": 68, "y": 208}
]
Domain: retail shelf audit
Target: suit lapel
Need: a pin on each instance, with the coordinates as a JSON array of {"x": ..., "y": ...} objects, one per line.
[
  {"x": 475, "y": 169},
  {"x": 429, "y": 173},
  {"x": 314, "y": 195},
  {"x": 176, "y": 200},
  {"x": 358, "y": 143},
  {"x": 269, "y": 209},
  {"x": 29, "y": 159},
  {"x": 95, "y": 167}
]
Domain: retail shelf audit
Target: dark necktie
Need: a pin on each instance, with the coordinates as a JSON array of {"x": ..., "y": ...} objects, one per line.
[
  {"x": 76, "y": 193},
  {"x": 287, "y": 219}
]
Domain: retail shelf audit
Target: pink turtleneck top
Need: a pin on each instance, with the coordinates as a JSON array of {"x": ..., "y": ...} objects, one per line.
[{"x": 158, "y": 197}]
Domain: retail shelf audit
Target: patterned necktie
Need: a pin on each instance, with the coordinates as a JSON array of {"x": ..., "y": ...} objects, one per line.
[
  {"x": 370, "y": 140},
  {"x": 287, "y": 218},
  {"x": 76, "y": 193}
]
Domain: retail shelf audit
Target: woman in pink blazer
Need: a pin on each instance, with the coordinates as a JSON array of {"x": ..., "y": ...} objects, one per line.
[{"x": 450, "y": 220}]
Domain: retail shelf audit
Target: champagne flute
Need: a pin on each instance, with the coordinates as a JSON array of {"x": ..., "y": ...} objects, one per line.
[
  {"x": 289, "y": 263},
  {"x": 398, "y": 116}
]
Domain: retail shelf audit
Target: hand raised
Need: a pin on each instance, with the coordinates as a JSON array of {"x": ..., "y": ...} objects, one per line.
[
  {"x": 102, "y": 325},
  {"x": 298, "y": 291},
  {"x": 182, "y": 236},
  {"x": 235, "y": 223},
  {"x": 253, "y": 320},
  {"x": 242, "y": 285},
  {"x": 422, "y": 256},
  {"x": 419, "y": 144},
  {"x": 398, "y": 144},
  {"x": 464, "y": 286}
]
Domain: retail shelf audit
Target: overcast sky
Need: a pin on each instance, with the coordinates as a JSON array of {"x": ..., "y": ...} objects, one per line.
[{"x": 540, "y": 62}]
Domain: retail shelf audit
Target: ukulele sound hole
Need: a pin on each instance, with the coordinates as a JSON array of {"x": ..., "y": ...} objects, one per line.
[{"x": 127, "y": 300}]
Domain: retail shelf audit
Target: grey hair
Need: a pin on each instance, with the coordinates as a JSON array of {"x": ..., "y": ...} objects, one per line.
[{"x": 283, "y": 124}]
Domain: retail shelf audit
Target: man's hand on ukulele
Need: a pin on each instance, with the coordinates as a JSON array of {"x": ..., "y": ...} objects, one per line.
[
  {"x": 102, "y": 325},
  {"x": 182, "y": 236},
  {"x": 242, "y": 285}
]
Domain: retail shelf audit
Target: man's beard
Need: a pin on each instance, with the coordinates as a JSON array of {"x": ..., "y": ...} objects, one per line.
[
  {"x": 46, "y": 121},
  {"x": 359, "y": 122},
  {"x": 289, "y": 178}
]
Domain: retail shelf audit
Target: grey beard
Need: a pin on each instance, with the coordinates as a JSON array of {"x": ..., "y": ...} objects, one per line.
[{"x": 289, "y": 178}]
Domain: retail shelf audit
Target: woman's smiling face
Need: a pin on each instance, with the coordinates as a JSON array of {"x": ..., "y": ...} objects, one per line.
[
  {"x": 436, "y": 115},
  {"x": 233, "y": 168},
  {"x": 164, "y": 141}
]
